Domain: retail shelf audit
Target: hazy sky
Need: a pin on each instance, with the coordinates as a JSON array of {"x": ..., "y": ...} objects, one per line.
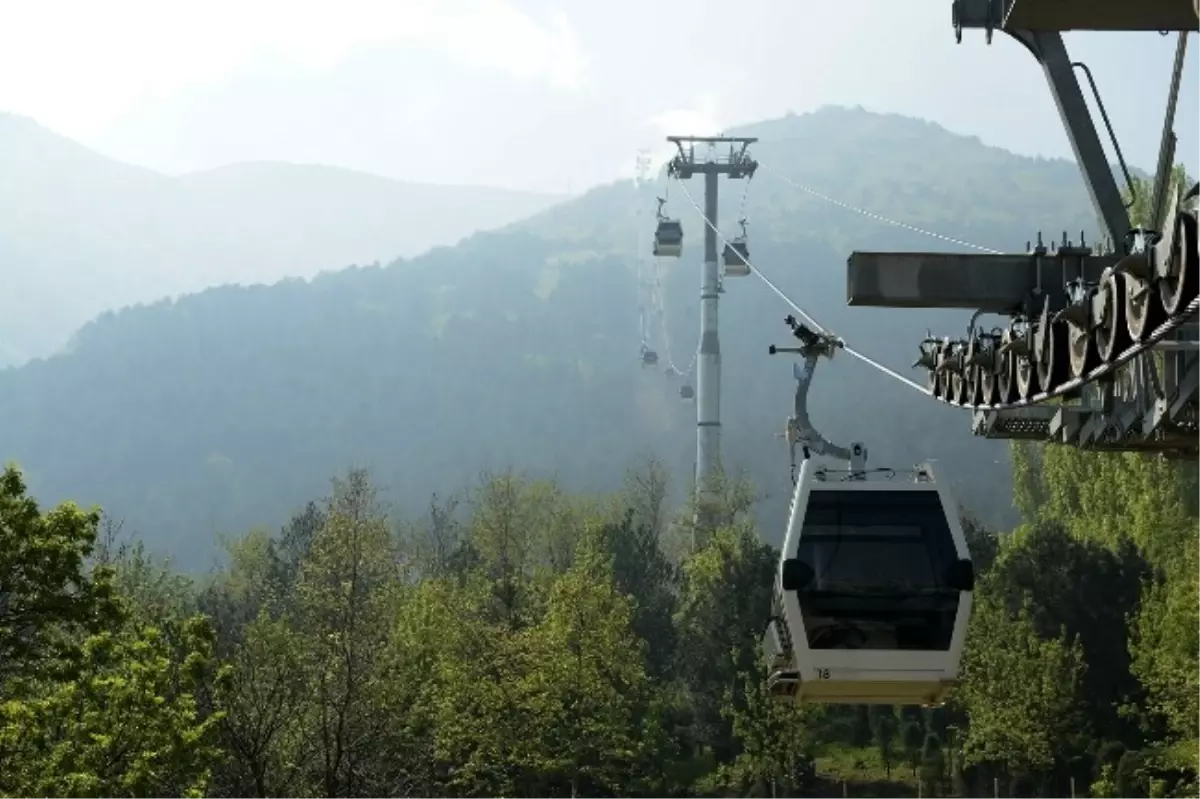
[{"x": 539, "y": 94}]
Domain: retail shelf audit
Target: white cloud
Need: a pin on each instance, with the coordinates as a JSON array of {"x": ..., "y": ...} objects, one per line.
[
  {"x": 493, "y": 34},
  {"x": 699, "y": 120},
  {"x": 75, "y": 65}
]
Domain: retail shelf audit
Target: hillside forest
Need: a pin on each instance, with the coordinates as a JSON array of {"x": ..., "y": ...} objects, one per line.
[
  {"x": 227, "y": 409},
  {"x": 518, "y": 639}
]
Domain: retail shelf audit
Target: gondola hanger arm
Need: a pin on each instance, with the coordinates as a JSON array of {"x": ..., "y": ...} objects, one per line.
[{"x": 800, "y": 430}]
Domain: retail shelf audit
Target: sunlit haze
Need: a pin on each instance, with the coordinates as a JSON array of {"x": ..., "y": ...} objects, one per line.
[{"x": 532, "y": 94}]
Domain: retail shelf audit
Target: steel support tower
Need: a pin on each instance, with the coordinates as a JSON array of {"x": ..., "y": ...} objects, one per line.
[
  {"x": 736, "y": 164},
  {"x": 1071, "y": 369}
]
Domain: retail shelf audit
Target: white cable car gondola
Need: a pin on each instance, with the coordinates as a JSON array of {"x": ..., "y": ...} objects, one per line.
[
  {"x": 873, "y": 592},
  {"x": 737, "y": 255},
  {"x": 668, "y": 235},
  {"x": 668, "y": 239}
]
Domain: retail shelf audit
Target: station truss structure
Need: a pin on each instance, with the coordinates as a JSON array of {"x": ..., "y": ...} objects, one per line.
[{"x": 1101, "y": 347}]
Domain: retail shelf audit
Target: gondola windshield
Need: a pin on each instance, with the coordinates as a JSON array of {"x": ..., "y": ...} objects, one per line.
[{"x": 878, "y": 568}]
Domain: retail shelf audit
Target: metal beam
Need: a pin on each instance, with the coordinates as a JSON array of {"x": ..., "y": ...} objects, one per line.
[
  {"x": 1080, "y": 15},
  {"x": 989, "y": 283},
  {"x": 736, "y": 164},
  {"x": 1187, "y": 387},
  {"x": 1166, "y": 149},
  {"x": 1029, "y": 423},
  {"x": 1051, "y": 53},
  {"x": 681, "y": 140},
  {"x": 1065, "y": 425}
]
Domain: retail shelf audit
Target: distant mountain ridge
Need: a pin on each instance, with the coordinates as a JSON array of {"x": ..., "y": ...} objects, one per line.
[
  {"x": 81, "y": 233},
  {"x": 518, "y": 347}
]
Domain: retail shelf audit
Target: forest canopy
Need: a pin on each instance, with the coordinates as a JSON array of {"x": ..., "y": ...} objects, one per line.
[{"x": 519, "y": 639}]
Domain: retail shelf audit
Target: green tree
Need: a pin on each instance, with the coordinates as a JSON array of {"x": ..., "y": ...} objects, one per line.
[
  {"x": 1020, "y": 690},
  {"x": 99, "y": 689},
  {"x": 884, "y": 727},
  {"x": 1143, "y": 195},
  {"x": 912, "y": 740},
  {"x": 982, "y": 543},
  {"x": 777, "y": 745},
  {"x": 473, "y": 662},
  {"x": 725, "y": 598},
  {"x": 933, "y": 764},
  {"x": 642, "y": 572},
  {"x": 268, "y": 711},
  {"x": 1057, "y": 578},
  {"x": 48, "y": 596},
  {"x": 128, "y": 724},
  {"x": 347, "y": 592},
  {"x": 508, "y": 527},
  {"x": 1165, "y": 642},
  {"x": 1107, "y": 497},
  {"x": 586, "y": 686}
]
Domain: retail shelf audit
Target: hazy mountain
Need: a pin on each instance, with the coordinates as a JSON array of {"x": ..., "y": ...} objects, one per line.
[
  {"x": 228, "y": 408},
  {"x": 81, "y": 233}
]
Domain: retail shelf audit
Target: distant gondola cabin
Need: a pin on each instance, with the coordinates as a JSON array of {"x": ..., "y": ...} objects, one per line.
[
  {"x": 668, "y": 239},
  {"x": 737, "y": 258}
]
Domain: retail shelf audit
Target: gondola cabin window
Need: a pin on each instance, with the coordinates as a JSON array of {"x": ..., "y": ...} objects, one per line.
[{"x": 878, "y": 566}]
